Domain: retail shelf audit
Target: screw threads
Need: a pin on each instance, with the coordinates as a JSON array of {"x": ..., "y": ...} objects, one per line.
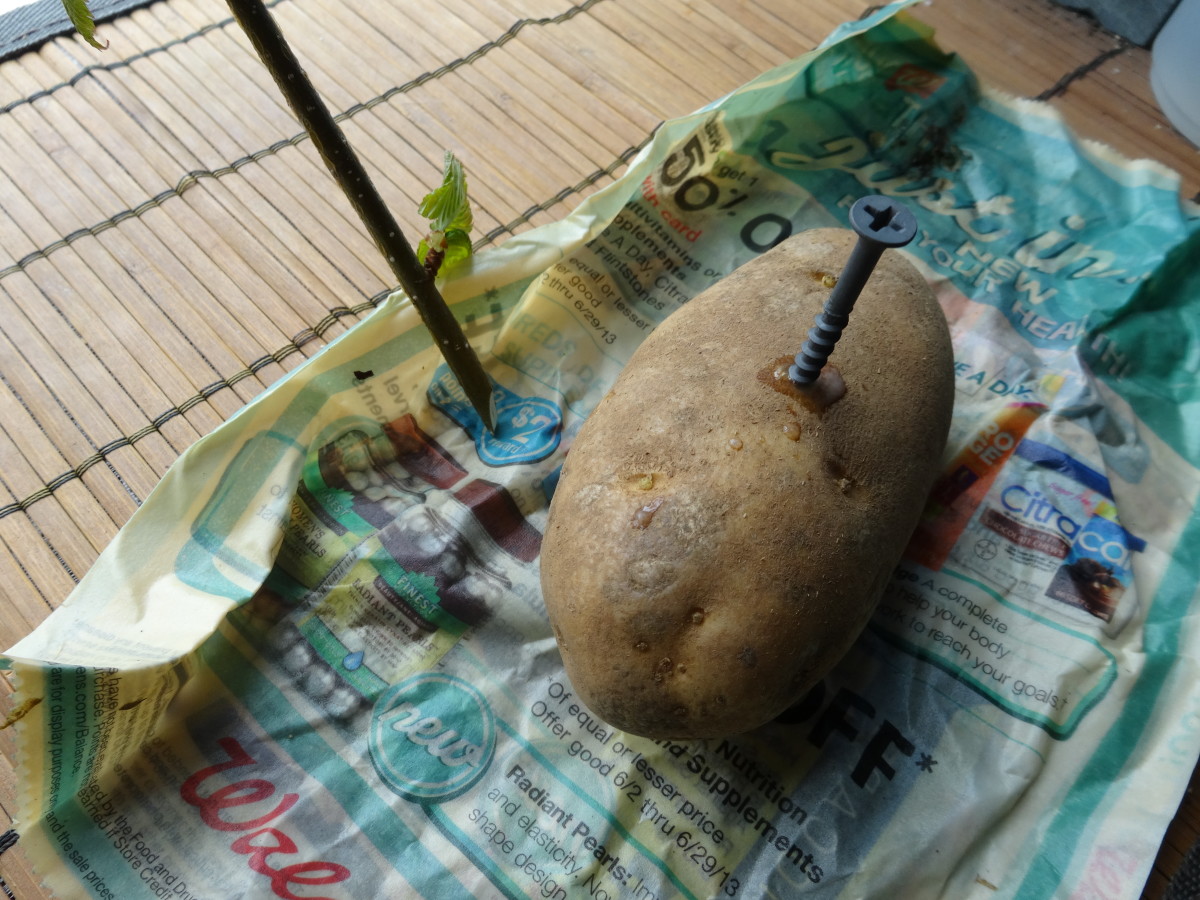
[
  {"x": 816, "y": 350},
  {"x": 880, "y": 223}
]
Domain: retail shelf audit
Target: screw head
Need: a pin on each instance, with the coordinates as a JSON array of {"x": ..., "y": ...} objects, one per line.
[{"x": 883, "y": 221}]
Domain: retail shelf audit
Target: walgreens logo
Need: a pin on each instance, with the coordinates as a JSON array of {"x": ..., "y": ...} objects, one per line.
[{"x": 268, "y": 848}]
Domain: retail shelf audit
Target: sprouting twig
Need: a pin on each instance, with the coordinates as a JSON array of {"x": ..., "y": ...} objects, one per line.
[{"x": 346, "y": 168}]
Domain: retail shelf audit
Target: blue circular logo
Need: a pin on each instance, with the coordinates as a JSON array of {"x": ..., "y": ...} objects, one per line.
[
  {"x": 432, "y": 737},
  {"x": 527, "y": 428}
]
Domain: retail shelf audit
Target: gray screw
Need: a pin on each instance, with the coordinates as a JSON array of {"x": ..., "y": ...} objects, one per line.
[{"x": 880, "y": 222}]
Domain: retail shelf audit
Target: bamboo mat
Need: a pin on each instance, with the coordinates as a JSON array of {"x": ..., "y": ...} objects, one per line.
[{"x": 170, "y": 244}]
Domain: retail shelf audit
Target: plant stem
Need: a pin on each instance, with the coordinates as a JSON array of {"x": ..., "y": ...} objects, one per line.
[{"x": 348, "y": 171}]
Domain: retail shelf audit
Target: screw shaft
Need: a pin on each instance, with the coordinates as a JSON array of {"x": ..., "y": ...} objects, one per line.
[
  {"x": 880, "y": 223},
  {"x": 834, "y": 318}
]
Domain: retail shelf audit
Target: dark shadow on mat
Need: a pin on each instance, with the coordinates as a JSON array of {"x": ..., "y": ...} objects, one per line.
[{"x": 30, "y": 26}]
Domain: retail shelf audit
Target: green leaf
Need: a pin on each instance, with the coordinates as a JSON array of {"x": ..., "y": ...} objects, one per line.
[
  {"x": 458, "y": 247},
  {"x": 449, "y": 212},
  {"x": 81, "y": 18},
  {"x": 423, "y": 249}
]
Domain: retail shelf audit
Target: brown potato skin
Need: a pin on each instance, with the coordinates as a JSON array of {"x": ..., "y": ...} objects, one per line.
[{"x": 756, "y": 568}]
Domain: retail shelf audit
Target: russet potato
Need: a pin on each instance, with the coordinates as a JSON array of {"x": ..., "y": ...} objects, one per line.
[{"x": 718, "y": 537}]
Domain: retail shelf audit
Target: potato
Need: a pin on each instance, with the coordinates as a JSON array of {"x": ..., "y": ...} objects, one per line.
[{"x": 718, "y": 537}]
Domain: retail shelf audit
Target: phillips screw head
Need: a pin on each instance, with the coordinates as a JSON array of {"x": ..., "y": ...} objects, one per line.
[{"x": 881, "y": 223}]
